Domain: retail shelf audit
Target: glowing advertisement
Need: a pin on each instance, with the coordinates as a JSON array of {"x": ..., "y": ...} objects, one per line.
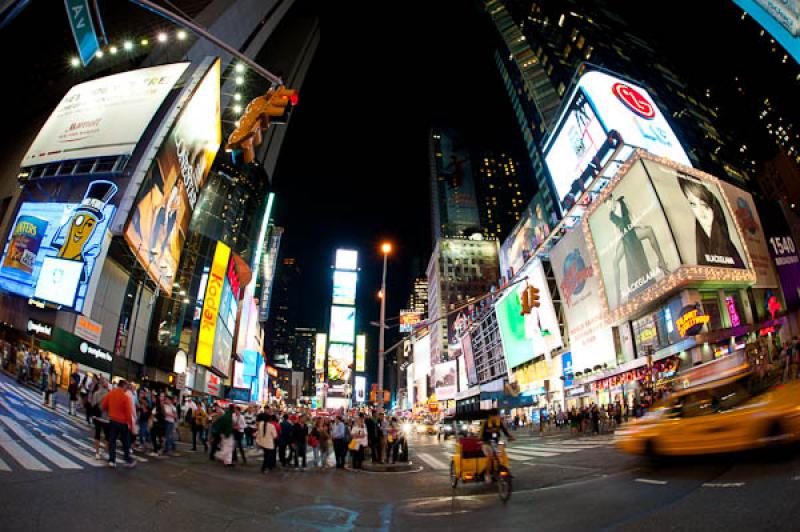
[
  {"x": 408, "y": 319},
  {"x": 468, "y": 360},
  {"x": 530, "y": 335},
  {"x": 599, "y": 104},
  {"x": 103, "y": 117},
  {"x": 454, "y": 172},
  {"x": 590, "y": 336},
  {"x": 361, "y": 352},
  {"x": 319, "y": 352},
  {"x": 360, "y": 395},
  {"x": 446, "y": 380},
  {"x": 783, "y": 250},
  {"x": 344, "y": 287},
  {"x": 160, "y": 219},
  {"x": 422, "y": 357},
  {"x": 211, "y": 305},
  {"x": 346, "y": 259},
  {"x": 532, "y": 229},
  {"x": 343, "y": 324},
  {"x": 53, "y": 247},
  {"x": 340, "y": 364}
]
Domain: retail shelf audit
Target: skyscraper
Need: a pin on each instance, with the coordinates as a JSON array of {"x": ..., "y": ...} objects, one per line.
[
  {"x": 280, "y": 337},
  {"x": 454, "y": 207},
  {"x": 501, "y": 193}
]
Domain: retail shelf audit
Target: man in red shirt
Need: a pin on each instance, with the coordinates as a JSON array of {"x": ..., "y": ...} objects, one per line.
[{"x": 120, "y": 423}]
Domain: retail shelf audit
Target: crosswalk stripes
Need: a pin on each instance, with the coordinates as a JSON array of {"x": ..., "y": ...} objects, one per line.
[
  {"x": 4, "y": 466},
  {"x": 53, "y": 440},
  {"x": 48, "y": 452},
  {"x": 91, "y": 449},
  {"x": 10, "y": 410},
  {"x": 434, "y": 463},
  {"x": 18, "y": 453},
  {"x": 23, "y": 394}
]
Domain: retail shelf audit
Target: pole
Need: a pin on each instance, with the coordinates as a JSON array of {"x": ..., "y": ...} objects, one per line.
[{"x": 379, "y": 395}]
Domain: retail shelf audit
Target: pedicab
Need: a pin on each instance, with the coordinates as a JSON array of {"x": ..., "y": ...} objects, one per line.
[{"x": 470, "y": 464}]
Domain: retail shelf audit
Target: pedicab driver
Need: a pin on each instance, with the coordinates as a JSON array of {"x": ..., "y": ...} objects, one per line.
[{"x": 490, "y": 433}]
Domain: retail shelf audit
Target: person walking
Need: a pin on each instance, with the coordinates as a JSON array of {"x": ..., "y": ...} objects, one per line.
[
  {"x": 359, "y": 441},
  {"x": 51, "y": 387},
  {"x": 118, "y": 405},
  {"x": 266, "y": 438},
  {"x": 313, "y": 442},
  {"x": 250, "y": 425},
  {"x": 100, "y": 418},
  {"x": 338, "y": 434},
  {"x": 223, "y": 426},
  {"x": 299, "y": 442},
  {"x": 199, "y": 427},
  {"x": 73, "y": 390},
  {"x": 157, "y": 425},
  {"x": 86, "y": 386},
  {"x": 325, "y": 443},
  {"x": 170, "y": 417},
  {"x": 284, "y": 438},
  {"x": 239, "y": 425},
  {"x": 143, "y": 412}
]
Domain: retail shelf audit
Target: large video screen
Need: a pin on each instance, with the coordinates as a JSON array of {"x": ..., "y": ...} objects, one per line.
[
  {"x": 346, "y": 259},
  {"x": 160, "y": 220},
  {"x": 344, "y": 287},
  {"x": 340, "y": 364},
  {"x": 445, "y": 379},
  {"x": 343, "y": 324},
  {"x": 103, "y": 117},
  {"x": 532, "y": 229},
  {"x": 52, "y": 249}
]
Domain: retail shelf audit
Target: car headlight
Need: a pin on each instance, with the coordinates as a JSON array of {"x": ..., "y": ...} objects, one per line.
[
  {"x": 448, "y": 428},
  {"x": 406, "y": 427}
]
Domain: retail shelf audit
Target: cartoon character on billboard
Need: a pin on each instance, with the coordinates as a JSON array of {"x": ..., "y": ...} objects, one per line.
[
  {"x": 24, "y": 244},
  {"x": 630, "y": 247},
  {"x": 712, "y": 235},
  {"x": 72, "y": 239}
]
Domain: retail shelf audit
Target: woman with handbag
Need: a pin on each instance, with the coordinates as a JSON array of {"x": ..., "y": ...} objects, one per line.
[
  {"x": 358, "y": 442},
  {"x": 266, "y": 436}
]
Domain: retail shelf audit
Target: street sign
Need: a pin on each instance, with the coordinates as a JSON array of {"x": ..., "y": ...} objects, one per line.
[
  {"x": 181, "y": 381},
  {"x": 80, "y": 20}
]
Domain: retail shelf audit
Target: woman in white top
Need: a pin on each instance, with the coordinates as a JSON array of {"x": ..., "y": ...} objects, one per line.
[
  {"x": 359, "y": 441},
  {"x": 266, "y": 436}
]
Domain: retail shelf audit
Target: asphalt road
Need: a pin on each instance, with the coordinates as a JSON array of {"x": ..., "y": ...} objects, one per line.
[{"x": 49, "y": 480}]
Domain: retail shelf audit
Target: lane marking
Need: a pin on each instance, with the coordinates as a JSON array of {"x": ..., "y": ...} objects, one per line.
[
  {"x": 434, "y": 463},
  {"x": 545, "y": 448},
  {"x": 561, "y": 466},
  {"x": 36, "y": 400},
  {"x": 18, "y": 453},
  {"x": 4, "y": 466},
  {"x": 651, "y": 481},
  {"x": 48, "y": 452},
  {"x": 723, "y": 484},
  {"x": 527, "y": 454},
  {"x": 70, "y": 450},
  {"x": 103, "y": 454},
  {"x": 12, "y": 411}
]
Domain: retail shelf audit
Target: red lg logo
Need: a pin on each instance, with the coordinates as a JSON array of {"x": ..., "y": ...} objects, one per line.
[{"x": 634, "y": 100}]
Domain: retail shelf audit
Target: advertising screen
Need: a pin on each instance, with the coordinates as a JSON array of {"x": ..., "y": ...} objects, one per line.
[
  {"x": 468, "y": 360},
  {"x": 343, "y": 324},
  {"x": 408, "y": 319},
  {"x": 446, "y": 379},
  {"x": 319, "y": 352},
  {"x": 422, "y": 357},
  {"x": 360, "y": 395},
  {"x": 56, "y": 245},
  {"x": 783, "y": 250},
  {"x": 212, "y": 299},
  {"x": 340, "y": 364},
  {"x": 103, "y": 117},
  {"x": 361, "y": 352},
  {"x": 746, "y": 214},
  {"x": 602, "y": 103},
  {"x": 632, "y": 239},
  {"x": 591, "y": 338},
  {"x": 160, "y": 219},
  {"x": 699, "y": 216},
  {"x": 454, "y": 170},
  {"x": 344, "y": 288},
  {"x": 527, "y": 336},
  {"x": 346, "y": 259},
  {"x": 533, "y": 227}
]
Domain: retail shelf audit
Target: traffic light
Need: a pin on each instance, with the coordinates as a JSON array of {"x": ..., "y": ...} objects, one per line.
[
  {"x": 533, "y": 296},
  {"x": 273, "y": 107},
  {"x": 525, "y": 302}
]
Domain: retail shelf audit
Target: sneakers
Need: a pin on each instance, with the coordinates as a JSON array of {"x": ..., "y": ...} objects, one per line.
[
  {"x": 97, "y": 455},
  {"x": 112, "y": 465},
  {"x": 130, "y": 464},
  {"x": 153, "y": 454}
]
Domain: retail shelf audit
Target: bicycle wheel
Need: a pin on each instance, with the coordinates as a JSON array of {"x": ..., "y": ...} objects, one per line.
[
  {"x": 504, "y": 487},
  {"x": 453, "y": 476}
]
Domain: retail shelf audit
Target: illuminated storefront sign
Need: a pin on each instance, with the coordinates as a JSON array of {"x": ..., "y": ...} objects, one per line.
[
  {"x": 691, "y": 320},
  {"x": 211, "y": 303},
  {"x": 361, "y": 352}
]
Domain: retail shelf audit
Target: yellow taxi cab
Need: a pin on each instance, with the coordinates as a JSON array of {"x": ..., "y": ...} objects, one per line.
[{"x": 727, "y": 415}]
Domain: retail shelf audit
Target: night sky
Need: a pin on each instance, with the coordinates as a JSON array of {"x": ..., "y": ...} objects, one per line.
[{"x": 354, "y": 169}]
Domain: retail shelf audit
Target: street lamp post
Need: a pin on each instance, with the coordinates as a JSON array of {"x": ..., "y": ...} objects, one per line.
[{"x": 386, "y": 248}]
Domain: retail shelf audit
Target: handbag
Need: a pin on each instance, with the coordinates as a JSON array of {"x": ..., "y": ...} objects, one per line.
[
  {"x": 313, "y": 441},
  {"x": 353, "y": 445}
]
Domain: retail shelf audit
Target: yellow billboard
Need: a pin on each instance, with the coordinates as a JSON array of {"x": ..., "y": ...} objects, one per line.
[
  {"x": 319, "y": 353},
  {"x": 361, "y": 352},
  {"x": 211, "y": 301}
]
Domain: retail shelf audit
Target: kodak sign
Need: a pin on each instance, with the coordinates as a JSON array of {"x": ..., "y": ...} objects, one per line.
[{"x": 211, "y": 301}]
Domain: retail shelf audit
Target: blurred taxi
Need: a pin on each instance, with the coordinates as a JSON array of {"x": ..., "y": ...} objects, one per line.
[
  {"x": 427, "y": 426},
  {"x": 724, "y": 416}
]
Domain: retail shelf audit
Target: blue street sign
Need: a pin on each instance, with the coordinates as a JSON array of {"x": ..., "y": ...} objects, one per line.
[{"x": 80, "y": 20}]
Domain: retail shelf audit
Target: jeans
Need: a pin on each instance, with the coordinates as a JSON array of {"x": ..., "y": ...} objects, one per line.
[
  {"x": 238, "y": 437},
  {"x": 300, "y": 455},
  {"x": 282, "y": 453},
  {"x": 118, "y": 431},
  {"x": 358, "y": 457},
  {"x": 316, "y": 460},
  {"x": 197, "y": 429},
  {"x": 169, "y": 435},
  {"x": 144, "y": 434},
  {"x": 269, "y": 460},
  {"x": 340, "y": 449}
]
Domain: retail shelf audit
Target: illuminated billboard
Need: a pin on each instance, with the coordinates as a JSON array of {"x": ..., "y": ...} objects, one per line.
[
  {"x": 346, "y": 259},
  {"x": 160, "y": 220},
  {"x": 527, "y": 336},
  {"x": 212, "y": 298},
  {"x": 319, "y": 352},
  {"x": 343, "y": 324},
  {"x": 445, "y": 378},
  {"x": 53, "y": 247},
  {"x": 600, "y": 104},
  {"x": 103, "y": 117},
  {"x": 658, "y": 226},
  {"x": 360, "y": 395},
  {"x": 340, "y": 364},
  {"x": 422, "y": 357},
  {"x": 408, "y": 319},
  {"x": 531, "y": 230},
  {"x": 361, "y": 352},
  {"x": 458, "y": 206},
  {"x": 344, "y": 287}
]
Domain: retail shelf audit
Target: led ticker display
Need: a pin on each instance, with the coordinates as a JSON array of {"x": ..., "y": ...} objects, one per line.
[
  {"x": 361, "y": 352},
  {"x": 343, "y": 324},
  {"x": 319, "y": 352},
  {"x": 53, "y": 247},
  {"x": 211, "y": 305},
  {"x": 346, "y": 259},
  {"x": 344, "y": 287}
]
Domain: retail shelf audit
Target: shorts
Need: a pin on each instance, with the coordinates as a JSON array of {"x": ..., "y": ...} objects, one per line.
[{"x": 100, "y": 426}]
